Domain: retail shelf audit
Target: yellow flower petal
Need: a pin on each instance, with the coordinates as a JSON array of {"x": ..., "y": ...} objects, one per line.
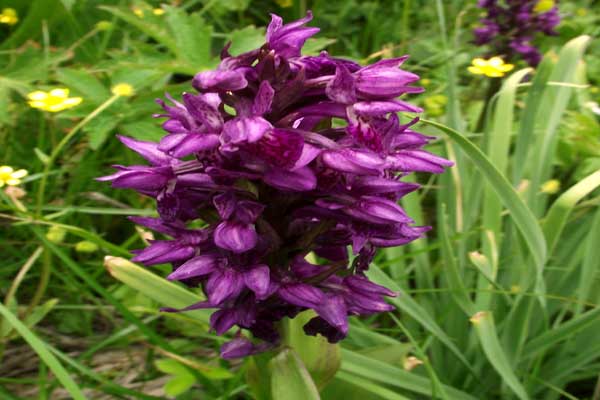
[
  {"x": 479, "y": 62},
  {"x": 37, "y": 95},
  {"x": 5, "y": 169},
  {"x": 475, "y": 70},
  {"x": 158, "y": 11},
  {"x": 18, "y": 174},
  {"x": 72, "y": 101},
  {"x": 61, "y": 93},
  {"x": 13, "y": 182},
  {"x": 495, "y": 62}
]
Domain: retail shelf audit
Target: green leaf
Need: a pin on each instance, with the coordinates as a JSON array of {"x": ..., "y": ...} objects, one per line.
[
  {"x": 520, "y": 213},
  {"x": 154, "y": 30},
  {"x": 192, "y": 37},
  {"x": 485, "y": 328},
  {"x": 355, "y": 364},
  {"x": 405, "y": 303},
  {"x": 159, "y": 289},
  {"x": 182, "y": 379},
  {"x": 143, "y": 130},
  {"x": 554, "y": 103},
  {"x": 321, "y": 358},
  {"x": 84, "y": 84},
  {"x": 559, "y": 212},
  {"x": 98, "y": 130},
  {"x": 40, "y": 348},
  {"x": 246, "y": 39},
  {"x": 289, "y": 378}
]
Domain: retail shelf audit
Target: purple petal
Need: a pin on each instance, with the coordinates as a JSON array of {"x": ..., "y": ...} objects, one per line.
[
  {"x": 257, "y": 280},
  {"x": 236, "y": 237},
  {"x": 263, "y": 99},
  {"x": 197, "y": 266},
  {"x": 417, "y": 160},
  {"x": 299, "y": 180},
  {"x": 301, "y": 294},
  {"x": 225, "y": 204},
  {"x": 222, "y": 320},
  {"x": 148, "y": 150},
  {"x": 376, "y": 108},
  {"x": 164, "y": 251},
  {"x": 219, "y": 80},
  {"x": 333, "y": 310},
  {"x": 364, "y": 285},
  {"x": 353, "y": 161},
  {"x": 377, "y": 210},
  {"x": 203, "y": 112},
  {"x": 242, "y": 130},
  {"x": 237, "y": 348},
  {"x": 341, "y": 88},
  {"x": 223, "y": 284}
]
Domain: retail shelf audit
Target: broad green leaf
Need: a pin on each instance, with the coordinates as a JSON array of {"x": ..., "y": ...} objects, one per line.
[
  {"x": 289, "y": 378},
  {"x": 498, "y": 144},
  {"x": 406, "y": 304},
  {"x": 589, "y": 266},
  {"x": 554, "y": 103},
  {"x": 455, "y": 280},
  {"x": 192, "y": 37},
  {"x": 364, "y": 385},
  {"x": 159, "y": 289},
  {"x": 246, "y": 39},
  {"x": 321, "y": 358},
  {"x": 559, "y": 212},
  {"x": 143, "y": 130},
  {"x": 354, "y": 364},
  {"x": 484, "y": 325},
  {"x": 552, "y": 337},
  {"x": 521, "y": 215},
  {"x": 40, "y": 348}
]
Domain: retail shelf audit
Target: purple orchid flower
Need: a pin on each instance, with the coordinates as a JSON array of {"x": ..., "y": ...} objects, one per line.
[{"x": 244, "y": 196}]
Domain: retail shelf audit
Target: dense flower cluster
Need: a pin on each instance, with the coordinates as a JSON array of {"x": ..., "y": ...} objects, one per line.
[
  {"x": 280, "y": 155},
  {"x": 509, "y": 26}
]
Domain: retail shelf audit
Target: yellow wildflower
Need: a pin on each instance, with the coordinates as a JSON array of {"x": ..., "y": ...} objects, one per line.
[
  {"x": 543, "y": 6},
  {"x": 158, "y": 11},
  {"x": 123, "y": 89},
  {"x": 284, "y": 3},
  {"x": 550, "y": 187},
  {"x": 10, "y": 177},
  {"x": 581, "y": 12},
  {"x": 9, "y": 16},
  {"x": 53, "y": 101},
  {"x": 138, "y": 11},
  {"x": 494, "y": 67}
]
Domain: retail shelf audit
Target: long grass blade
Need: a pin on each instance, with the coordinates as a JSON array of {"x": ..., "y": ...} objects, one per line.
[{"x": 40, "y": 348}]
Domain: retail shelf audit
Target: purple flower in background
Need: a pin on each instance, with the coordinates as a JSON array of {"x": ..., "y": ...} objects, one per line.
[
  {"x": 510, "y": 26},
  {"x": 253, "y": 175}
]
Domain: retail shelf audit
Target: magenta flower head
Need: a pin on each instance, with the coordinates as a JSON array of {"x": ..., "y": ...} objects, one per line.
[
  {"x": 280, "y": 155},
  {"x": 510, "y": 26}
]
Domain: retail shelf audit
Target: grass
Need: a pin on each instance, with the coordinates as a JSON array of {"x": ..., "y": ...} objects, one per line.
[{"x": 500, "y": 301}]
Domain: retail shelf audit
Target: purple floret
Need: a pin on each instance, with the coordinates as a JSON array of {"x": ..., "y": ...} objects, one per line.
[{"x": 254, "y": 157}]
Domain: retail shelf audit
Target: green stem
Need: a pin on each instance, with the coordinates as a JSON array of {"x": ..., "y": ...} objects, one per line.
[{"x": 53, "y": 156}]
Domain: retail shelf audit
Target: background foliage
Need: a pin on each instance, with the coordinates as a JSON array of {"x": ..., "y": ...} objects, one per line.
[{"x": 501, "y": 300}]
